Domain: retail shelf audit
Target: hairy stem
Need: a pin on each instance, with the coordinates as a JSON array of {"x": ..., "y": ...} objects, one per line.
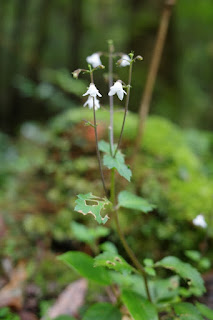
[
  {"x": 128, "y": 250},
  {"x": 126, "y": 107},
  {"x": 97, "y": 150},
  {"x": 152, "y": 74}
]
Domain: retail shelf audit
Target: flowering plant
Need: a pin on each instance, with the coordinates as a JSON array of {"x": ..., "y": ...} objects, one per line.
[{"x": 135, "y": 288}]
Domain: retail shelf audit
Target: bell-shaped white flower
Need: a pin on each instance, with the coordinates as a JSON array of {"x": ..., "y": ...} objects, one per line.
[
  {"x": 117, "y": 89},
  {"x": 200, "y": 221},
  {"x": 94, "y": 60},
  {"x": 92, "y": 91},
  {"x": 90, "y": 102},
  {"x": 125, "y": 60}
]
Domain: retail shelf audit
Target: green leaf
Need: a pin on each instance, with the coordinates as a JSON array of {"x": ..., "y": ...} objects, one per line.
[
  {"x": 139, "y": 307},
  {"x": 118, "y": 164},
  {"x": 187, "y": 311},
  {"x": 90, "y": 204},
  {"x": 148, "y": 262},
  {"x": 205, "y": 311},
  {"x": 185, "y": 270},
  {"x": 128, "y": 200},
  {"x": 88, "y": 235},
  {"x": 109, "y": 247},
  {"x": 150, "y": 271},
  {"x": 105, "y": 146},
  {"x": 102, "y": 311},
  {"x": 193, "y": 255},
  {"x": 83, "y": 264},
  {"x": 113, "y": 261}
]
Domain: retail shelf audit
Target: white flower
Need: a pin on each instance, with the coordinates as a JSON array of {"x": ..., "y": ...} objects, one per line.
[
  {"x": 89, "y": 102},
  {"x": 92, "y": 91},
  {"x": 94, "y": 60},
  {"x": 200, "y": 221},
  {"x": 117, "y": 88},
  {"x": 125, "y": 60}
]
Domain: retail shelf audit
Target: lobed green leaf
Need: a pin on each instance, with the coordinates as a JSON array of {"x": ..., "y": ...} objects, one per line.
[
  {"x": 118, "y": 163},
  {"x": 90, "y": 204}
]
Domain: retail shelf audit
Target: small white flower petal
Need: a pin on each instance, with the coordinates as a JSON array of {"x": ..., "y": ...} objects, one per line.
[
  {"x": 125, "y": 60},
  {"x": 89, "y": 103},
  {"x": 200, "y": 221},
  {"x": 120, "y": 94},
  {"x": 117, "y": 89},
  {"x": 92, "y": 91},
  {"x": 94, "y": 60}
]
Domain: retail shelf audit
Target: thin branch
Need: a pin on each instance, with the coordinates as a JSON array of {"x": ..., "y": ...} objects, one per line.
[{"x": 154, "y": 66}]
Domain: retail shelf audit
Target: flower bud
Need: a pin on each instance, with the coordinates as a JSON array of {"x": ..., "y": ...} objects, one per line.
[
  {"x": 101, "y": 66},
  {"x": 140, "y": 58},
  {"x": 76, "y": 73}
]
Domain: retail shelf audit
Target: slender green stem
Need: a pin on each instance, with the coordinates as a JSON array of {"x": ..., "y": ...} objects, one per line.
[
  {"x": 97, "y": 150},
  {"x": 96, "y": 140},
  {"x": 111, "y": 130},
  {"x": 126, "y": 107},
  {"x": 128, "y": 250}
]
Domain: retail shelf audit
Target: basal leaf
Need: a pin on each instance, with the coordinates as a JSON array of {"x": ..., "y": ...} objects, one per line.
[
  {"x": 139, "y": 307},
  {"x": 187, "y": 311},
  {"x": 83, "y": 264},
  {"x": 185, "y": 270},
  {"x": 127, "y": 199},
  {"x": 119, "y": 164},
  {"x": 90, "y": 204},
  {"x": 113, "y": 261},
  {"x": 102, "y": 311},
  {"x": 205, "y": 311}
]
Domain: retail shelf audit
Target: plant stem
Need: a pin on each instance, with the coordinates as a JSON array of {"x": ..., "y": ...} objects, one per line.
[
  {"x": 111, "y": 134},
  {"x": 128, "y": 250},
  {"x": 126, "y": 107},
  {"x": 152, "y": 73},
  {"x": 97, "y": 150}
]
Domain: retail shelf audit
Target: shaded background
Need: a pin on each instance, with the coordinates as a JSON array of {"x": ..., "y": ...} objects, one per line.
[{"x": 37, "y": 36}]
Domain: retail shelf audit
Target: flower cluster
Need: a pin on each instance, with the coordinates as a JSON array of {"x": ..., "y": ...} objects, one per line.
[{"x": 117, "y": 88}]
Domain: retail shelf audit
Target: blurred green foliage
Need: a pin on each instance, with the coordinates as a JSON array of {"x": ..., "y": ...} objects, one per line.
[{"x": 42, "y": 42}]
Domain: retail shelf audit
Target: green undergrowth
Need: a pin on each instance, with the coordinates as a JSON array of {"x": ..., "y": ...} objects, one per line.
[{"x": 45, "y": 168}]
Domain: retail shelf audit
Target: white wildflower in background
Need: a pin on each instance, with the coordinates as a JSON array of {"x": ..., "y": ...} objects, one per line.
[
  {"x": 89, "y": 102},
  {"x": 94, "y": 60},
  {"x": 125, "y": 60},
  {"x": 117, "y": 89},
  {"x": 200, "y": 221},
  {"x": 92, "y": 91}
]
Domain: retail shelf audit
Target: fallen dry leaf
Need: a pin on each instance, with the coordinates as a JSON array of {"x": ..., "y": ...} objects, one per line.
[
  {"x": 70, "y": 300},
  {"x": 11, "y": 295}
]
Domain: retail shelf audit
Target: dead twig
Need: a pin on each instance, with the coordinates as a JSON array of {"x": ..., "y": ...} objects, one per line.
[{"x": 153, "y": 69}]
